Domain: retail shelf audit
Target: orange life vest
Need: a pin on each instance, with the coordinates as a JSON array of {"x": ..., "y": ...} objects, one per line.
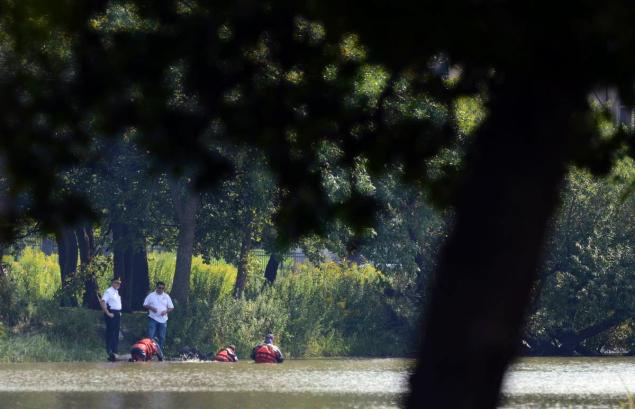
[
  {"x": 265, "y": 354},
  {"x": 148, "y": 346},
  {"x": 225, "y": 356}
]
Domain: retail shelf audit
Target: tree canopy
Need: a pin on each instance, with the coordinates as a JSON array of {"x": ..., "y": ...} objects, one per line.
[{"x": 284, "y": 77}]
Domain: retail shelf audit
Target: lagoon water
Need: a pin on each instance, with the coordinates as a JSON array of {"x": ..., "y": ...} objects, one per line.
[{"x": 296, "y": 384}]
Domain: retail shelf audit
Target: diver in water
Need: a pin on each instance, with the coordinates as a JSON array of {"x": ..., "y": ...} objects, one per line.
[
  {"x": 267, "y": 352},
  {"x": 145, "y": 349},
  {"x": 227, "y": 354}
]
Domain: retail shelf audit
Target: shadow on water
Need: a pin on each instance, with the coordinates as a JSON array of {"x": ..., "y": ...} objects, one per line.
[
  {"x": 193, "y": 400},
  {"x": 539, "y": 401},
  {"x": 325, "y": 383}
]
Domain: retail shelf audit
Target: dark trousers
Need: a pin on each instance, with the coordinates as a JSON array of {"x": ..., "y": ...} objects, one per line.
[{"x": 112, "y": 332}]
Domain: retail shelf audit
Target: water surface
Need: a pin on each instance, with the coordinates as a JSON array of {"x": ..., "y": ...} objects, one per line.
[{"x": 325, "y": 383}]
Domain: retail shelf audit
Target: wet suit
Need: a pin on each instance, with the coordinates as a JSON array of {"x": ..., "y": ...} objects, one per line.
[
  {"x": 226, "y": 355},
  {"x": 145, "y": 350},
  {"x": 267, "y": 353}
]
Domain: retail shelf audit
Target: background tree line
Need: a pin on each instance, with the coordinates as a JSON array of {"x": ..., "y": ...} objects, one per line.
[
  {"x": 583, "y": 302},
  {"x": 283, "y": 77}
]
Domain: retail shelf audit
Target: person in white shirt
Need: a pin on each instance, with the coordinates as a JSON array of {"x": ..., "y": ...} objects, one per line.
[
  {"x": 159, "y": 304},
  {"x": 111, "y": 306}
]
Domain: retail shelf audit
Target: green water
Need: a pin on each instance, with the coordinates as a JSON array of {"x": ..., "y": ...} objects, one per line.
[{"x": 337, "y": 384}]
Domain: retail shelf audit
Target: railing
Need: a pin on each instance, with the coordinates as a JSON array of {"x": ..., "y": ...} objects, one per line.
[{"x": 288, "y": 263}]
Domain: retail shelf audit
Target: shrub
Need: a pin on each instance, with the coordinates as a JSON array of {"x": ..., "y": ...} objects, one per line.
[
  {"x": 11, "y": 312},
  {"x": 325, "y": 310},
  {"x": 36, "y": 275},
  {"x": 328, "y": 310}
]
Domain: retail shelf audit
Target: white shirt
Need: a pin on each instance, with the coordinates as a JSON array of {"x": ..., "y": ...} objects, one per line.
[
  {"x": 112, "y": 299},
  {"x": 161, "y": 302}
]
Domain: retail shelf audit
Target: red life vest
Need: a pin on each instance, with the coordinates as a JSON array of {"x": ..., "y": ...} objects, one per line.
[
  {"x": 148, "y": 346},
  {"x": 224, "y": 356},
  {"x": 265, "y": 354}
]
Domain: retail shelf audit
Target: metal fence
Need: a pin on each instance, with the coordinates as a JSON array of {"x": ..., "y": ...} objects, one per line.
[{"x": 288, "y": 263}]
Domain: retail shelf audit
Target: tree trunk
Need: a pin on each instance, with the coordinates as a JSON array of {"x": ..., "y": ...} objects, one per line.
[
  {"x": 567, "y": 343},
  {"x": 140, "y": 274},
  {"x": 271, "y": 270},
  {"x": 487, "y": 266},
  {"x": 130, "y": 264},
  {"x": 86, "y": 244},
  {"x": 186, "y": 214},
  {"x": 571, "y": 341},
  {"x": 241, "y": 275},
  {"x": 119, "y": 247},
  {"x": 67, "y": 260},
  {"x": 420, "y": 260},
  {"x": 2, "y": 272}
]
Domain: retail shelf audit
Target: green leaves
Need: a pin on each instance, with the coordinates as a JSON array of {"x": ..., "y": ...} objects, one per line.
[{"x": 589, "y": 261}]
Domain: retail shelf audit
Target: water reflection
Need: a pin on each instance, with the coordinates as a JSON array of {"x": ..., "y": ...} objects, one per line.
[
  {"x": 193, "y": 400},
  {"x": 337, "y": 384}
]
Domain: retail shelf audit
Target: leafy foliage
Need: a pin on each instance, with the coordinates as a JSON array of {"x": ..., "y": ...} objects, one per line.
[
  {"x": 588, "y": 270},
  {"x": 325, "y": 310}
]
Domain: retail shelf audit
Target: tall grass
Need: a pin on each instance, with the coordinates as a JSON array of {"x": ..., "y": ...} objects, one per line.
[
  {"x": 36, "y": 275},
  {"x": 206, "y": 280},
  {"x": 324, "y": 310},
  {"x": 41, "y": 347}
]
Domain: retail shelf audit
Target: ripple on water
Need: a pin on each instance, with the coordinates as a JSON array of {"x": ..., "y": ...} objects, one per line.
[
  {"x": 337, "y": 384},
  {"x": 297, "y": 376}
]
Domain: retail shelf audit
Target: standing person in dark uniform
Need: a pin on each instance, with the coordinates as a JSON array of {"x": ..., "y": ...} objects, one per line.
[{"x": 111, "y": 306}]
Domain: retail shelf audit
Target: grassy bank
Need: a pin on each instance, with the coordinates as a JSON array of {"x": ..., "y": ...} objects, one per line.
[
  {"x": 41, "y": 348},
  {"x": 63, "y": 334},
  {"x": 325, "y": 310}
]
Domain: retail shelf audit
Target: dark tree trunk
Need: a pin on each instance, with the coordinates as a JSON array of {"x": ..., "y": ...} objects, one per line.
[
  {"x": 67, "y": 260},
  {"x": 130, "y": 264},
  {"x": 271, "y": 270},
  {"x": 241, "y": 275},
  {"x": 487, "y": 266},
  {"x": 86, "y": 244},
  {"x": 119, "y": 246},
  {"x": 571, "y": 341},
  {"x": 567, "y": 343},
  {"x": 127, "y": 278},
  {"x": 186, "y": 214},
  {"x": 140, "y": 274},
  {"x": 122, "y": 262},
  {"x": 85, "y": 252},
  {"x": 420, "y": 261},
  {"x": 2, "y": 272},
  {"x": 119, "y": 232}
]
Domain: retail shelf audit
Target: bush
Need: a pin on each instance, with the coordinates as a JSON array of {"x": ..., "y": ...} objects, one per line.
[
  {"x": 329, "y": 310},
  {"x": 325, "y": 310},
  {"x": 207, "y": 281},
  {"x": 35, "y": 275},
  {"x": 11, "y": 312}
]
